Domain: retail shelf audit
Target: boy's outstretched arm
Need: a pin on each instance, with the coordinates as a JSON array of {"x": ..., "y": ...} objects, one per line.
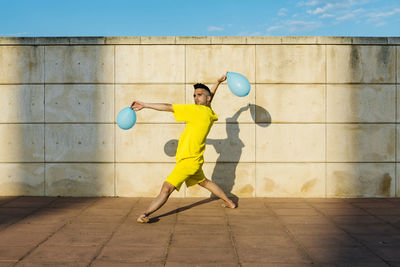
[
  {"x": 137, "y": 105},
  {"x": 215, "y": 87}
]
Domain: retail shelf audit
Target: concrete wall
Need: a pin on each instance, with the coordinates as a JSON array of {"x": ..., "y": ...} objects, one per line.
[{"x": 323, "y": 119}]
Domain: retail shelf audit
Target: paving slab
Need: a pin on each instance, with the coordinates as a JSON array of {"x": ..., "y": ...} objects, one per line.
[{"x": 55, "y": 231}]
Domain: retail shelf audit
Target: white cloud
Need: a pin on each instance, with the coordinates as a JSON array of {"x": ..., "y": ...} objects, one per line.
[
  {"x": 346, "y": 17},
  {"x": 351, "y": 14},
  {"x": 274, "y": 28},
  {"x": 337, "y": 7},
  {"x": 282, "y": 12},
  {"x": 326, "y": 16},
  {"x": 380, "y": 24},
  {"x": 302, "y": 26},
  {"x": 377, "y": 18},
  {"x": 214, "y": 29},
  {"x": 309, "y": 15},
  {"x": 295, "y": 26},
  {"x": 384, "y": 14},
  {"x": 312, "y": 3},
  {"x": 320, "y": 10},
  {"x": 309, "y": 3}
]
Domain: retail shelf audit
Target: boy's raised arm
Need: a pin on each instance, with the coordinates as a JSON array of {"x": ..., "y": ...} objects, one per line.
[{"x": 215, "y": 87}]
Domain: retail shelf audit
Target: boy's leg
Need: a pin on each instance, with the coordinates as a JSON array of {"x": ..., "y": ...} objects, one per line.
[
  {"x": 158, "y": 202},
  {"x": 216, "y": 190}
]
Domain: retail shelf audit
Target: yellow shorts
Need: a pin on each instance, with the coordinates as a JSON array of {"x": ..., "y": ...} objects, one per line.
[{"x": 187, "y": 171}]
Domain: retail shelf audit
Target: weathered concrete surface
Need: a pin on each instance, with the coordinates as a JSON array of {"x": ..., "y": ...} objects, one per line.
[
  {"x": 79, "y": 64},
  {"x": 79, "y": 142},
  {"x": 21, "y": 142},
  {"x": 22, "y": 179},
  {"x": 79, "y": 103},
  {"x": 361, "y": 103},
  {"x": 290, "y": 179},
  {"x": 21, "y": 64},
  {"x": 79, "y": 179},
  {"x": 361, "y": 64},
  {"x": 320, "y": 120},
  {"x": 150, "y": 64},
  {"x": 21, "y": 103},
  {"x": 360, "y": 179},
  {"x": 261, "y": 232},
  {"x": 290, "y": 143},
  {"x": 290, "y": 64},
  {"x": 292, "y": 103},
  {"x": 361, "y": 142},
  {"x": 204, "y": 61}
]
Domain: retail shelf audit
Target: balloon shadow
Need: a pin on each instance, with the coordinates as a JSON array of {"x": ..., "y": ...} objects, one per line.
[{"x": 260, "y": 115}]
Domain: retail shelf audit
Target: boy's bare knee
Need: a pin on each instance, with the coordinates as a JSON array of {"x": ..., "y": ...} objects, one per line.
[
  {"x": 167, "y": 188},
  {"x": 204, "y": 183}
]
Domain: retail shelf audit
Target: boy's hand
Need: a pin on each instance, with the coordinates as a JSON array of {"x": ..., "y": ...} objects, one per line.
[
  {"x": 137, "y": 105},
  {"x": 223, "y": 78}
]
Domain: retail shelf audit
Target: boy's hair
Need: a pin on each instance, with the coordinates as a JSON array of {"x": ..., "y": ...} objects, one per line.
[{"x": 202, "y": 86}]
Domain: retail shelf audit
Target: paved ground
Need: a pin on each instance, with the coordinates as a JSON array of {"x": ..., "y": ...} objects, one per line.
[{"x": 37, "y": 231}]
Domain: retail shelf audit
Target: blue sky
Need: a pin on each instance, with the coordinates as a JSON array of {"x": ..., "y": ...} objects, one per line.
[{"x": 199, "y": 18}]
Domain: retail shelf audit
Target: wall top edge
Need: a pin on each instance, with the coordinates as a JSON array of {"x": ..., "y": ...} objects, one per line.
[{"x": 129, "y": 40}]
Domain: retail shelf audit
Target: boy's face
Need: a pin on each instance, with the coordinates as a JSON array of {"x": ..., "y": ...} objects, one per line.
[{"x": 201, "y": 97}]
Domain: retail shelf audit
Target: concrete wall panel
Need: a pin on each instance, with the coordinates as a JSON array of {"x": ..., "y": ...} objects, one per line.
[
  {"x": 361, "y": 103},
  {"x": 80, "y": 64},
  {"x": 398, "y": 65},
  {"x": 148, "y": 143},
  {"x": 206, "y": 63},
  {"x": 21, "y": 143},
  {"x": 360, "y": 142},
  {"x": 150, "y": 64},
  {"x": 290, "y": 180},
  {"x": 290, "y": 143},
  {"x": 398, "y": 103},
  {"x": 80, "y": 179},
  {"x": 361, "y": 180},
  {"x": 21, "y": 103},
  {"x": 21, "y": 64},
  {"x": 290, "y": 63},
  {"x": 361, "y": 64},
  {"x": 22, "y": 179},
  {"x": 291, "y": 103},
  {"x": 397, "y": 180},
  {"x": 79, "y": 103},
  {"x": 80, "y": 142}
]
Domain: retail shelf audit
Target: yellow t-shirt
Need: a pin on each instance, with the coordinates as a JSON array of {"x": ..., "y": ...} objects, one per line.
[{"x": 192, "y": 141}]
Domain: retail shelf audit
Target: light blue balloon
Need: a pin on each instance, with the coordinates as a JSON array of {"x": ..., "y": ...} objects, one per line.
[
  {"x": 238, "y": 84},
  {"x": 126, "y": 118}
]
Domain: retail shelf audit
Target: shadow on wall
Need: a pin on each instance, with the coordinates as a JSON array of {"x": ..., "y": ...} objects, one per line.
[
  {"x": 79, "y": 121},
  {"x": 229, "y": 148},
  {"x": 64, "y": 145},
  {"x": 367, "y": 135},
  {"x": 21, "y": 128}
]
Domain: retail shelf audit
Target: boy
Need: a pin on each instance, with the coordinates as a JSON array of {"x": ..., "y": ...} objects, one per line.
[{"x": 199, "y": 118}]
